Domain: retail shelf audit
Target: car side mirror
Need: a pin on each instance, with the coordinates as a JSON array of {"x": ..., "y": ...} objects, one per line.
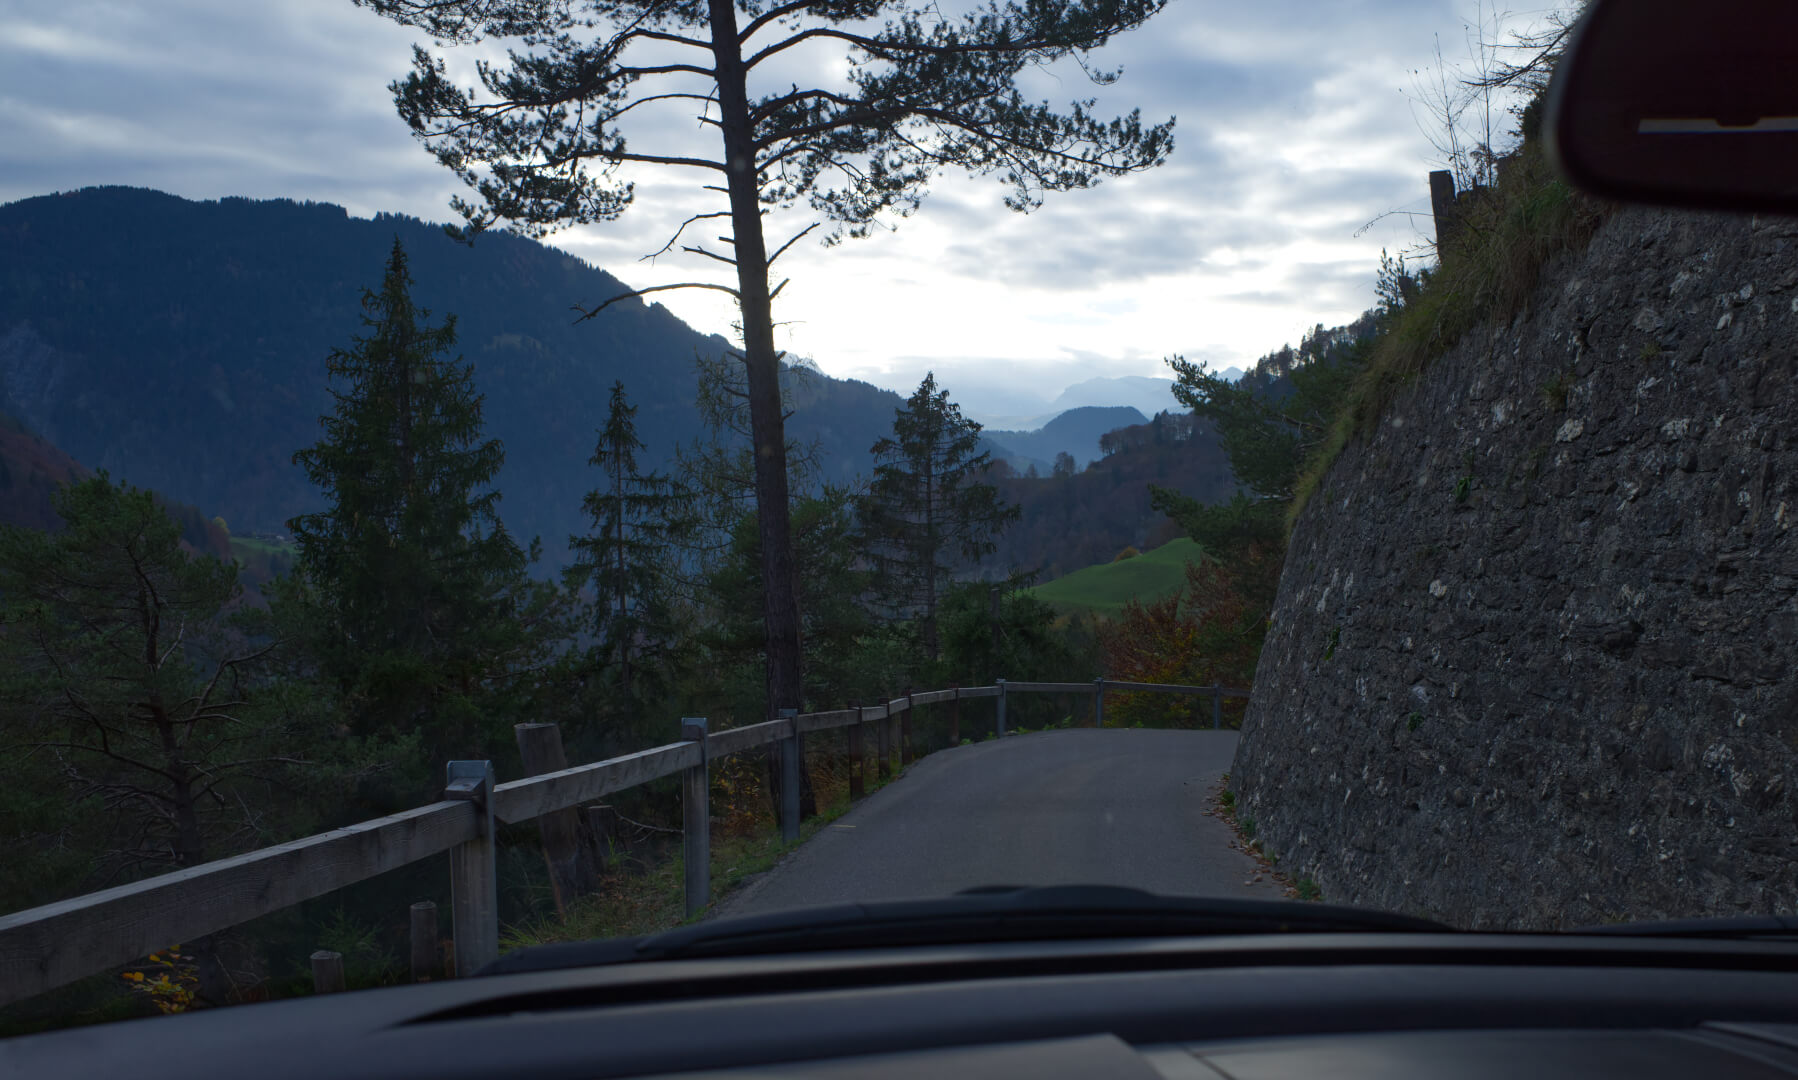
[{"x": 1681, "y": 103}]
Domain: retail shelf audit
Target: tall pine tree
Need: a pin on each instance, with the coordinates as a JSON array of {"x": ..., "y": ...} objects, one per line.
[
  {"x": 409, "y": 590},
  {"x": 639, "y": 521},
  {"x": 914, "y": 90},
  {"x": 926, "y": 512}
]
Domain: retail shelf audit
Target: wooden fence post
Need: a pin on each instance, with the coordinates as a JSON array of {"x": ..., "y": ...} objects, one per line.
[
  {"x": 1000, "y": 726},
  {"x": 1217, "y": 706},
  {"x": 955, "y": 715},
  {"x": 327, "y": 972},
  {"x": 790, "y": 764},
  {"x": 1099, "y": 702},
  {"x": 857, "y": 756},
  {"x": 474, "y": 894},
  {"x": 425, "y": 962},
  {"x": 883, "y": 738},
  {"x": 571, "y": 873},
  {"x": 905, "y": 756},
  {"x": 696, "y": 819}
]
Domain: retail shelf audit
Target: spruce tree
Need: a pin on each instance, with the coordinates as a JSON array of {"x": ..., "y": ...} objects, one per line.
[
  {"x": 639, "y": 521},
  {"x": 926, "y": 512},
  {"x": 409, "y": 590}
]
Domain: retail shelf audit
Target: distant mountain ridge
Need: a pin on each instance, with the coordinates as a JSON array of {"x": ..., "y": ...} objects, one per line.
[
  {"x": 1074, "y": 432},
  {"x": 181, "y": 345},
  {"x": 1143, "y": 393}
]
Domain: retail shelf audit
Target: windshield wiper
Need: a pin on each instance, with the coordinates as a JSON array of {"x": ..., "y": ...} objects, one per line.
[{"x": 997, "y": 913}]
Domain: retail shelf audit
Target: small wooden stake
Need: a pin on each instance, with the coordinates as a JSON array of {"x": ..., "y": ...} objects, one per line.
[
  {"x": 424, "y": 941},
  {"x": 327, "y": 972}
]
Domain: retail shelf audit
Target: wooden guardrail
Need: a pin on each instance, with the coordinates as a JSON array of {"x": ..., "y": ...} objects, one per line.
[{"x": 45, "y": 947}]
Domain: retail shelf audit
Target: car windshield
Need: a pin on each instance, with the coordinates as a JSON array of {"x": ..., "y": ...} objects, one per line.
[{"x": 487, "y": 473}]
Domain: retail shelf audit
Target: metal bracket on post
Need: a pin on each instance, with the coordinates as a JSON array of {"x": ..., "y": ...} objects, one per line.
[
  {"x": 790, "y": 765},
  {"x": 696, "y": 819},
  {"x": 1099, "y": 702},
  {"x": 1001, "y": 721},
  {"x": 474, "y": 893}
]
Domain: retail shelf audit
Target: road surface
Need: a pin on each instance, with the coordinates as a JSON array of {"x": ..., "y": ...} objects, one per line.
[{"x": 1115, "y": 807}]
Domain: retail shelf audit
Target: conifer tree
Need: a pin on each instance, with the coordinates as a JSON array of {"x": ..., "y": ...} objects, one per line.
[
  {"x": 119, "y": 668},
  {"x": 639, "y": 521},
  {"x": 138, "y": 729},
  {"x": 409, "y": 590},
  {"x": 927, "y": 513}
]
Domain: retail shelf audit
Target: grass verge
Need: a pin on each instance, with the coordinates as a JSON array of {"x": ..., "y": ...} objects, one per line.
[{"x": 629, "y": 905}]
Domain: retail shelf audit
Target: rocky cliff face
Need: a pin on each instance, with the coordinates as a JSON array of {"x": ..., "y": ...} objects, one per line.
[{"x": 1534, "y": 661}]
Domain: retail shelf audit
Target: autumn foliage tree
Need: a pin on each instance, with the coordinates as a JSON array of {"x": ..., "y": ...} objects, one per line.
[{"x": 1206, "y": 633}]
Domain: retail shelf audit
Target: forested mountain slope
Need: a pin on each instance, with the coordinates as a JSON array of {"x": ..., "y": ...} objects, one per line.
[
  {"x": 1070, "y": 522},
  {"x": 32, "y": 468},
  {"x": 181, "y": 345}
]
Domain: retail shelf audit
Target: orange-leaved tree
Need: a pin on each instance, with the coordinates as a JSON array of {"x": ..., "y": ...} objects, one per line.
[{"x": 1209, "y": 631}]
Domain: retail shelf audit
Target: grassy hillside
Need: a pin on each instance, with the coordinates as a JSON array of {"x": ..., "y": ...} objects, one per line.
[
  {"x": 1105, "y": 588},
  {"x": 261, "y": 560}
]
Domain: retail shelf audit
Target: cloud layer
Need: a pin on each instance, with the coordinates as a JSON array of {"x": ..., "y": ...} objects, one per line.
[{"x": 1293, "y": 133}]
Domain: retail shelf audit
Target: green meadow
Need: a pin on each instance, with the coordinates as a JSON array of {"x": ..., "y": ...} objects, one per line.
[{"x": 1105, "y": 589}]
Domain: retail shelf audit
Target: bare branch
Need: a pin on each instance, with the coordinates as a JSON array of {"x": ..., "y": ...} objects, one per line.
[
  {"x": 683, "y": 228},
  {"x": 586, "y": 314},
  {"x": 726, "y": 260},
  {"x": 796, "y": 238}
]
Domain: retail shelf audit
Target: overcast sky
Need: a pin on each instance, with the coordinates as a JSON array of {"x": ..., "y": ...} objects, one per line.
[{"x": 1295, "y": 129}]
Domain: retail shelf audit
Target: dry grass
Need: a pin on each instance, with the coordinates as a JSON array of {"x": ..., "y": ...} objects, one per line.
[
  {"x": 745, "y": 842},
  {"x": 1485, "y": 275}
]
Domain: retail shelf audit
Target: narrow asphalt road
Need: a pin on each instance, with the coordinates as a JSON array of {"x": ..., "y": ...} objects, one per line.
[{"x": 1113, "y": 807}]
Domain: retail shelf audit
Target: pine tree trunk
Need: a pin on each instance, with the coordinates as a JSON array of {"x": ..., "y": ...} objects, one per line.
[
  {"x": 190, "y": 851},
  {"x": 780, "y": 608},
  {"x": 767, "y": 427}
]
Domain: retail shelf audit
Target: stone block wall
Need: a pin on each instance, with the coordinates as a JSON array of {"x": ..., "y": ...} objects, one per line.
[{"x": 1534, "y": 660}]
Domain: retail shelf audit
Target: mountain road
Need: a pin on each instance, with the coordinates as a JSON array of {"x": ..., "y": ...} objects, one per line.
[{"x": 1120, "y": 806}]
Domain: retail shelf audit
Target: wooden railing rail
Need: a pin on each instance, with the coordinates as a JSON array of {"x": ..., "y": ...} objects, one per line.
[{"x": 53, "y": 945}]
